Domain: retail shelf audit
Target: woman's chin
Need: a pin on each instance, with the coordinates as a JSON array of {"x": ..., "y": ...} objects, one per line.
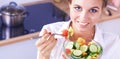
[{"x": 82, "y": 28}]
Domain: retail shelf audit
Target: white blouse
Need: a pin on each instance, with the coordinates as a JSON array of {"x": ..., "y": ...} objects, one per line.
[{"x": 109, "y": 41}]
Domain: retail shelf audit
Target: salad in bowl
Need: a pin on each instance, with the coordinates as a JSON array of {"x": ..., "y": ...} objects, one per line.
[{"x": 80, "y": 49}]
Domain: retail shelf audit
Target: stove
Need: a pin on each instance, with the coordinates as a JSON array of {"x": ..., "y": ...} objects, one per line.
[{"x": 38, "y": 15}]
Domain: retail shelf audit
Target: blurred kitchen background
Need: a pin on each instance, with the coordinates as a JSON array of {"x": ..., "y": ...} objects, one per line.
[
  {"x": 35, "y": 15},
  {"x": 2, "y": 2}
]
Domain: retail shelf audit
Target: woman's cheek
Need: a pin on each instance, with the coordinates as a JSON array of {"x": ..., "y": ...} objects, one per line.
[
  {"x": 73, "y": 16},
  {"x": 96, "y": 19}
]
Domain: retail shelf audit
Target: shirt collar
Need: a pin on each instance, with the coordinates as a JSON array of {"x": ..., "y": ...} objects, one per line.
[{"x": 64, "y": 26}]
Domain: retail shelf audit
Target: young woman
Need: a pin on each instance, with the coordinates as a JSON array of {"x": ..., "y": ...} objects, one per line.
[{"x": 84, "y": 16}]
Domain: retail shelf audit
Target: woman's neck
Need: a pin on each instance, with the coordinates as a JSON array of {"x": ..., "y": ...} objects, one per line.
[{"x": 87, "y": 35}]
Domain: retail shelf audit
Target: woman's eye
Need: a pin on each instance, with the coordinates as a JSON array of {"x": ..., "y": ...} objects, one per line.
[
  {"x": 93, "y": 10},
  {"x": 77, "y": 8}
]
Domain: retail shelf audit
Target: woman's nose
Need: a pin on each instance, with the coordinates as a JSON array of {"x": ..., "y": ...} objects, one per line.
[{"x": 83, "y": 15}]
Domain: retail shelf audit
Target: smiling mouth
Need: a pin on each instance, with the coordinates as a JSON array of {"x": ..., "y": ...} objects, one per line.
[{"x": 83, "y": 24}]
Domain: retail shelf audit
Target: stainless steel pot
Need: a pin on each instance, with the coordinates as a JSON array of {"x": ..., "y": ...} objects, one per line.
[{"x": 12, "y": 14}]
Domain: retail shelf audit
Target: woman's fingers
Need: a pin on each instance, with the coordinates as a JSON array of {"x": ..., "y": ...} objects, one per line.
[
  {"x": 46, "y": 43},
  {"x": 44, "y": 32},
  {"x": 43, "y": 43},
  {"x": 116, "y": 3},
  {"x": 43, "y": 39},
  {"x": 49, "y": 46}
]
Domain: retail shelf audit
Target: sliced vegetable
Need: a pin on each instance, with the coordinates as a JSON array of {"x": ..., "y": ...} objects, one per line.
[
  {"x": 89, "y": 57},
  {"x": 93, "y": 48},
  {"x": 84, "y": 54},
  {"x": 81, "y": 41},
  {"x": 77, "y": 53},
  {"x": 84, "y": 48},
  {"x": 69, "y": 45},
  {"x": 75, "y": 57},
  {"x": 65, "y": 33},
  {"x": 94, "y": 56},
  {"x": 68, "y": 51},
  {"x": 99, "y": 49},
  {"x": 70, "y": 30},
  {"x": 76, "y": 45}
]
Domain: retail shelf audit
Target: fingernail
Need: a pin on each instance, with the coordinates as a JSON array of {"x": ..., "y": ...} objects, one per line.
[{"x": 49, "y": 32}]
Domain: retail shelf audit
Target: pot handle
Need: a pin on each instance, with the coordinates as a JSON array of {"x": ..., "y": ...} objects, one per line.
[
  {"x": 26, "y": 14},
  {"x": 0, "y": 14},
  {"x": 13, "y": 3}
]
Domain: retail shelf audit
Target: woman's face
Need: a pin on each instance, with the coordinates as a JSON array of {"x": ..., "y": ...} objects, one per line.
[{"x": 85, "y": 13}]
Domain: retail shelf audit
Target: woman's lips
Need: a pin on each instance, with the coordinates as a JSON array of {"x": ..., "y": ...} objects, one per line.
[{"x": 83, "y": 24}]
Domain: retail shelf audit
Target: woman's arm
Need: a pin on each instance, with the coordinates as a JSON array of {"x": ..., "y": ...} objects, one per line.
[
  {"x": 114, "y": 8},
  {"x": 45, "y": 45}
]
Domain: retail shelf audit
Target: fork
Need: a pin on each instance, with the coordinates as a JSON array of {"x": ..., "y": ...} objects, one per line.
[{"x": 48, "y": 36}]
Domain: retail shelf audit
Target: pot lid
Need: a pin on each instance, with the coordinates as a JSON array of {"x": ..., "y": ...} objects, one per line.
[{"x": 13, "y": 9}]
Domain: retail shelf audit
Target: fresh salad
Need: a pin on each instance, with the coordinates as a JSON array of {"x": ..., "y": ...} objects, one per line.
[{"x": 80, "y": 49}]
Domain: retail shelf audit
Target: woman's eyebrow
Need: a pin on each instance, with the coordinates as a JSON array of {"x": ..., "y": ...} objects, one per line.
[
  {"x": 96, "y": 7},
  {"x": 76, "y": 5}
]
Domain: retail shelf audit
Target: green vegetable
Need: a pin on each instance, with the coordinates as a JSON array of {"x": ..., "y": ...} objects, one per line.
[
  {"x": 77, "y": 53},
  {"x": 93, "y": 48},
  {"x": 89, "y": 57},
  {"x": 99, "y": 49},
  {"x": 84, "y": 48},
  {"x": 69, "y": 45},
  {"x": 76, "y": 45}
]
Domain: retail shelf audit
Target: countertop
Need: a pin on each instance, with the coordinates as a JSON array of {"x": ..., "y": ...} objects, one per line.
[
  {"x": 63, "y": 6},
  {"x": 21, "y": 50}
]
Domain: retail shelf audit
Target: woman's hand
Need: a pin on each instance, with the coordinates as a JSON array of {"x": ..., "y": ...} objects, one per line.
[
  {"x": 116, "y": 3},
  {"x": 45, "y": 45}
]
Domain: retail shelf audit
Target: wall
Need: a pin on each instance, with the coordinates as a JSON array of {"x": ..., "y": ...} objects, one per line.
[
  {"x": 3, "y": 2},
  {"x": 112, "y": 26}
]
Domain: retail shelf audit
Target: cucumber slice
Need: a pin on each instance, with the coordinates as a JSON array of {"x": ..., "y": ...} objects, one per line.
[
  {"x": 83, "y": 58},
  {"x": 93, "y": 48},
  {"x": 84, "y": 48},
  {"x": 74, "y": 57},
  {"x": 76, "y": 45},
  {"x": 99, "y": 49},
  {"x": 69, "y": 45},
  {"x": 89, "y": 57},
  {"x": 77, "y": 53}
]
